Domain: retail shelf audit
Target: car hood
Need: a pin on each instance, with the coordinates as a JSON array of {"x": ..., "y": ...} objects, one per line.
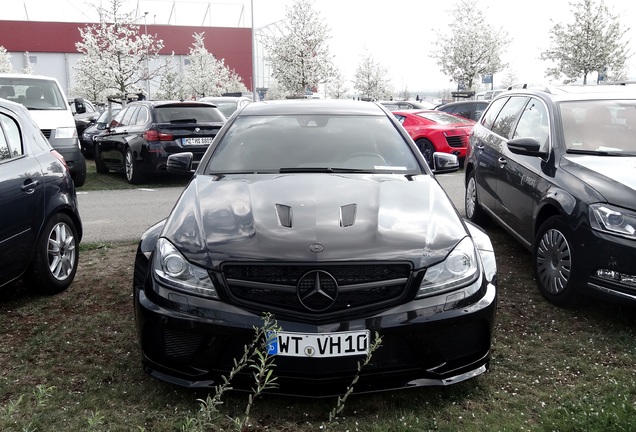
[
  {"x": 614, "y": 177},
  {"x": 314, "y": 218}
]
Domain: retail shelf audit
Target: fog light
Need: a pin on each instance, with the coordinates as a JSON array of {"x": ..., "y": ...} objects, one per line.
[
  {"x": 453, "y": 299},
  {"x": 614, "y": 276}
]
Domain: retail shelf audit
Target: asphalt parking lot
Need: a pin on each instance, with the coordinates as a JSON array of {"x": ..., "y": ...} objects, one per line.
[{"x": 123, "y": 215}]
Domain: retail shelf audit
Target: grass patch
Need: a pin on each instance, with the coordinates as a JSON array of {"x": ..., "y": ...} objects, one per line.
[
  {"x": 114, "y": 180},
  {"x": 71, "y": 362}
]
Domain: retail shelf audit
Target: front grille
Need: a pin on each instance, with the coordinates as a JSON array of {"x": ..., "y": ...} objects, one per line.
[
  {"x": 46, "y": 133},
  {"x": 456, "y": 141},
  {"x": 274, "y": 287}
]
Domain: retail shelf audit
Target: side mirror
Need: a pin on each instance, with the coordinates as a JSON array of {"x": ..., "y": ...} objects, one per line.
[
  {"x": 525, "y": 147},
  {"x": 444, "y": 163},
  {"x": 80, "y": 107},
  {"x": 180, "y": 163}
]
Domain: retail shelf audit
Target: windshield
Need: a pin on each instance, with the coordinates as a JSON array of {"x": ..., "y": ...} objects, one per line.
[
  {"x": 599, "y": 126},
  {"x": 33, "y": 93},
  {"x": 443, "y": 118},
  {"x": 303, "y": 143}
]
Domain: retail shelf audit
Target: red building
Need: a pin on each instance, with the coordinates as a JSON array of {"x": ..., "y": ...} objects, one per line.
[{"x": 51, "y": 46}]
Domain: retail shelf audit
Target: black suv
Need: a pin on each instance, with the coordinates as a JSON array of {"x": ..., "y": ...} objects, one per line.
[
  {"x": 555, "y": 168},
  {"x": 140, "y": 138}
]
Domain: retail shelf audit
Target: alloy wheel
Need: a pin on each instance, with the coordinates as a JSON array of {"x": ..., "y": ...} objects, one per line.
[
  {"x": 554, "y": 261},
  {"x": 61, "y": 251}
]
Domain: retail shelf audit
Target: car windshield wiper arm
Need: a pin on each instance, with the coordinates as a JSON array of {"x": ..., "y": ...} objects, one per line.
[
  {"x": 599, "y": 152},
  {"x": 325, "y": 170}
]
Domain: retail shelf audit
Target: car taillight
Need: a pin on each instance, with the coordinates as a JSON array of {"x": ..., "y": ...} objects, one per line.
[
  {"x": 59, "y": 157},
  {"x": 155, "y": 135}
]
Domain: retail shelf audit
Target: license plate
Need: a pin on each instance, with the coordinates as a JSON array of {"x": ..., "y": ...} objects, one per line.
[
  {"x": 338, "y": 344},
  {"x": 198, "y": 141}
]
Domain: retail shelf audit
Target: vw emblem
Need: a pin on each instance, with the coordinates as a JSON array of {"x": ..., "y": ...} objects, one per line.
[{"x": 317, "y": 290}]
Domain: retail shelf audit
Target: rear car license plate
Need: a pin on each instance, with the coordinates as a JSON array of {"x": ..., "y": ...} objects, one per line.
[
  {"x": 319, "y": 345},
  {"x": 198, "y": 141}
]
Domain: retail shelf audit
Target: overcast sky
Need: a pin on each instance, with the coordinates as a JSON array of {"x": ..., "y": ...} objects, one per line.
[{"x": 399, "y": 35}]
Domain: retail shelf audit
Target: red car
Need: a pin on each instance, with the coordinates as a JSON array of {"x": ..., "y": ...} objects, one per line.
[{"x": 436, "y": 131}]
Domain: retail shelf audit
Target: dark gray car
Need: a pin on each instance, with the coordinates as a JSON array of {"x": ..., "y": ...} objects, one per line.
[{"x": 40, "y": 225}]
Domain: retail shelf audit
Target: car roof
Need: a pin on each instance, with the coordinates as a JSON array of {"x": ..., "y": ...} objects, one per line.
[
  {"x": 158, "y": 103},
  {"x": 223, "y": 98},
  {"x": 466, "y": 102},
  {"x": 576, "y": 92},
  {"x": 313, "y": 106}
]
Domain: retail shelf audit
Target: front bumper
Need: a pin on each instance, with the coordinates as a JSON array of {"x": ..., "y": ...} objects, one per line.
[
  {"x": 424, "y": 342},
  {"x": 609, "y": 272}
]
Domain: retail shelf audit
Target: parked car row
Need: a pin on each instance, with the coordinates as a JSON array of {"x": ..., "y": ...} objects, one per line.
[{"x": 328, "y": 215}]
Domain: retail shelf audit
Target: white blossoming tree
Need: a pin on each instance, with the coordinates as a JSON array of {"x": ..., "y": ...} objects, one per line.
[
  {"x": 471, "y": 47},
  {"x": 371, "y": 79},
  {"x": 117, "y": 54},
  {"x": 5, "y": 61},
  {"x": 336, "y": 86},
  {"x": 593, "y": 42},
  {"x": 207, "y": 76},
  {"x": 300, "y": 57}
]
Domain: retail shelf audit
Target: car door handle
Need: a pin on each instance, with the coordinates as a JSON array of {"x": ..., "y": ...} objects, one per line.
[
  {"x": 30, "y": 187},
  {"x": 502, "y": 161}
]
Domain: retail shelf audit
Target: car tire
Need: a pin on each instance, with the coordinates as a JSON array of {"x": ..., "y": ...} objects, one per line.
[
  {"x": 474, "y": 212},
  {"x": 427, "y": 149},
  {"x": 79, "y": 176},
  {"x": 100, "y": 167},
  {"x": 56, "y": 256},
  {"x": 131, "y": 168},
  {"x": 553, "y": 258}
]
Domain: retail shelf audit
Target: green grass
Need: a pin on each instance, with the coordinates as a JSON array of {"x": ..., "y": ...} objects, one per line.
[
  {"x": 71, "y": 362},
  {"x": 113, "y": 180}
]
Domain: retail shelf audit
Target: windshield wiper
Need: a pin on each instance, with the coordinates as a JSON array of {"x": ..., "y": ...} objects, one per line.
[
  {"x": 325, "y": 170},
  {"x": 599, "y": 152}
]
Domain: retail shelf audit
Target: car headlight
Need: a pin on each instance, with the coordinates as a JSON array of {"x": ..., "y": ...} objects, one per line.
[
  {"x": 460, "y": 268},
  {"x": 65, "y": 132},
  {"x": 613, "y": 220},
  {"x": 174, "y": 271}
]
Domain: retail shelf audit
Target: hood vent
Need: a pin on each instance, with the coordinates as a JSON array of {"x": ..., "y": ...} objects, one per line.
[
  {"x": 284, "y": 215},
  {"x": 348, "y": 215}
]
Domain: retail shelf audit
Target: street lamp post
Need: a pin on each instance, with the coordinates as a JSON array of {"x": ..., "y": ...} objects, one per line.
[
  {"x": 253, "y": 55},
  {"x": 147, "y": 70}
]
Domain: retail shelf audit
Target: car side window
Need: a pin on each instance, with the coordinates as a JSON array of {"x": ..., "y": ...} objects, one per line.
[
  {"x": 491, "y": 114},
  {"x": 508, "y": 115},
  {"x": 10, "y": 141},
  {"x": 142, "y": 116},
  {"x": 116, "y": 121},
  {"x": 533, "y": 123},
  {"x": 479, "y": 110},
  {"x": 130, "y": 112}
]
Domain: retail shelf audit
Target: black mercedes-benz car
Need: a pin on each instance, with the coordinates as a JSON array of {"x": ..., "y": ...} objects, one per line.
[
  {"x": 325, "y": 215},
  {"x": 555, "y": 167}
]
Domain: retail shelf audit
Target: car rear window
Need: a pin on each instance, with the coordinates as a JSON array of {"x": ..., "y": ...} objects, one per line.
[{"x": 188, "y": 114}]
